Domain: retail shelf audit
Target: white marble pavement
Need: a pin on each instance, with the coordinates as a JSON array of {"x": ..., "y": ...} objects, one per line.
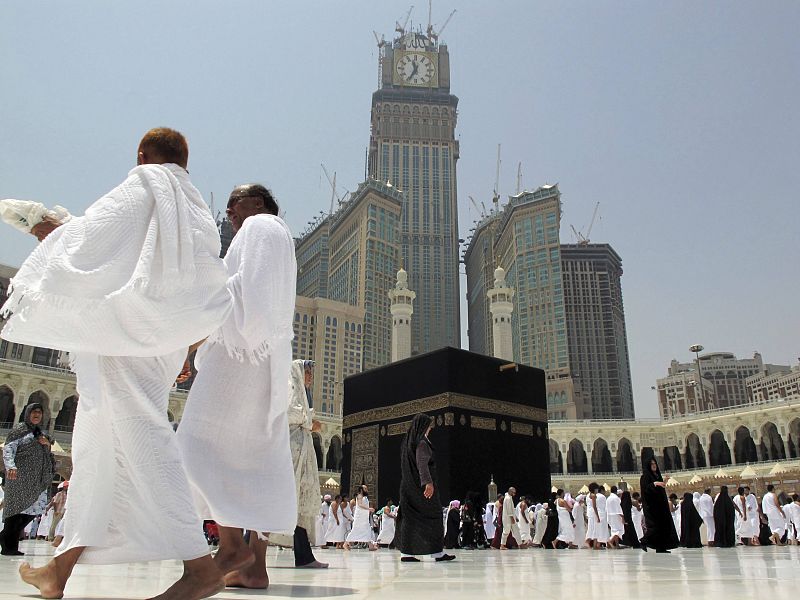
[{"x": 580, "y": 574}]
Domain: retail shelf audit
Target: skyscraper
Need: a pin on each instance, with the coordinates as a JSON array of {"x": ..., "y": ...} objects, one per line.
[
  {"x": 480, "y": 262},
  {"x": 597, "y": 338},
  {"x": 413, "y": 146},
  {"x": 363, "y": 259}
]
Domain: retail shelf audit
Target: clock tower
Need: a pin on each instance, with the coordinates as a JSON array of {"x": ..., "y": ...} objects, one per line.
[{"x": 413, "y": 146}]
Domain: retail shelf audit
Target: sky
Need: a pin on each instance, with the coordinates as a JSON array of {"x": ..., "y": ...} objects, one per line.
[{"x": 680, "y": 118}]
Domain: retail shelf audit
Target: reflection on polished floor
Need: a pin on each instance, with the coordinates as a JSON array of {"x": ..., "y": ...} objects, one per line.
[{"x": 581, "y": 574}]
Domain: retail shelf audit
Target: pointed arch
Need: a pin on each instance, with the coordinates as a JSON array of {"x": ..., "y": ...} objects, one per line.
[
  {"x": 556, "y": 459},
  {"x": 625, "y": 462},
  {"x": 576, "y": 457},
  {"x": 601, "y": 457}
]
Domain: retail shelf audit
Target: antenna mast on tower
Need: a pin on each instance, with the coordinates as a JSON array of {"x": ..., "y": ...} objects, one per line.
[{"x": 496, "y": 196}]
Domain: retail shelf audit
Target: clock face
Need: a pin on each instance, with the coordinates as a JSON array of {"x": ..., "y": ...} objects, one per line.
[{"x": 415, "y": 68}]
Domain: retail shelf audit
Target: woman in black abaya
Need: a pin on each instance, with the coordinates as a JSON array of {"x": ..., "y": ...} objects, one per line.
[
  {"x": 724, "y": 520},
  {"x": 629, "y": 538},
  {"x": 659, "y": 528},
  {"x": 551, "y": 532},
  {"x": 420, "y": 528},
  {"x": 690, "y": 523}
]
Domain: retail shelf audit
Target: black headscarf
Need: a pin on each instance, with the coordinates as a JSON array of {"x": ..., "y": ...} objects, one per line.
[
  {"x": 724, "y": 520},
  {"x": 420, "y": 528},
  {"x": 690, "y": 523},
  {"x": 416, "y": 432},
  {"x": 659, "y": 529},
  {"x": 26, "y": 427}
]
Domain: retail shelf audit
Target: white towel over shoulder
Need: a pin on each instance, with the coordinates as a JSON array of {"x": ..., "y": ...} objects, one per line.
[{"x": 138, "y": 275}]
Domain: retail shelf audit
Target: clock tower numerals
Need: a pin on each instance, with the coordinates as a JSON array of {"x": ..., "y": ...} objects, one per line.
[{"x": 415, "y": 68}]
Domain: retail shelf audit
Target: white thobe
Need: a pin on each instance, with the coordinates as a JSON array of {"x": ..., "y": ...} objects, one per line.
[
  {"x": 752, "y": 514},
  {"x": 125, "y": 289},
  {"x": 234, "y": 434}
]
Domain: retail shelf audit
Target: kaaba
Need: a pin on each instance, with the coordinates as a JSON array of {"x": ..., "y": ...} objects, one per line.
[{"x": 490, "y": 416}]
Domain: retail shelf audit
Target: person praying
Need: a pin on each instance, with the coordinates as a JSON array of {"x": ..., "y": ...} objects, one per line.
[
  {"x": 126, "y": 289},
  {"x": 241, "y": 393}
]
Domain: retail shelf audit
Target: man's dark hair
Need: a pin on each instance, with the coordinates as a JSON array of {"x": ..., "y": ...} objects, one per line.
[
  {"x": 795, "y": 497},
  {"x": 707, "y": 491},
  {"x": 741, "y": 491},
  {"x": 165, "y": 145},
  {"x": 747, "y": 487},
  {"x": 673, "y": 496},
  {"x": 635, "y": 495},
  {"x": 259, "y": 191},
  {"x": 770, "y": 487},
  {"x": 613, "y": 489}
]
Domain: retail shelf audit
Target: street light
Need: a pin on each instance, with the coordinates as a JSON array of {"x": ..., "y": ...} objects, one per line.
[{"x": 697, "y": 349}]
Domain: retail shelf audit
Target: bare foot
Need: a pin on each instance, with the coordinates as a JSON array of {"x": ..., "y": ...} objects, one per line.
[
  {"x": 228, "y": 562},
  {"x": 194, "y": 587},
  {"x": 244, "y": 579},
  {"x": 45, "y": 579},
  {"x": 313, "y": 565}
]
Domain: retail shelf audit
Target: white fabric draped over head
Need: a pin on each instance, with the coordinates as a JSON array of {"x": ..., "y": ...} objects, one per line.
[{"x": 138, "y": 275}]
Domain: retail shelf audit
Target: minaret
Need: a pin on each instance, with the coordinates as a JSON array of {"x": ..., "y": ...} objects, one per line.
[
  {"x": 501, "y": 307},
  {"x": 402, "y": 308}
]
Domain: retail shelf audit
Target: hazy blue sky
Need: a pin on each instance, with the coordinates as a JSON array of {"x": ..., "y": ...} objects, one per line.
[{"x": 680, "y": 118}]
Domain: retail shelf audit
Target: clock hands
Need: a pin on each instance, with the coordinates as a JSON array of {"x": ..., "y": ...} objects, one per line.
[{"x": 415, "y": 66}]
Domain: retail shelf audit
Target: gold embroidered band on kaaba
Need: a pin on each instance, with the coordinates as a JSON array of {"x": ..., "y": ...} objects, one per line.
[{"x": 446, "y": 400}]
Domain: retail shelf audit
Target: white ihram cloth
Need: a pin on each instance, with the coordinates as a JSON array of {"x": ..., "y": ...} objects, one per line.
[
  {"x": 488, "y": 521},
  {"x": 777, "y": 522},
  {"x": 323, "y": 516},
  {"x": 636, "y": 516},
  {"x": 126, "y": 288},
  {"x": 362, "y": 529},
  {"x": 138, "y": 275},
  {"x": 705, "y": 506},
  {"x": 336, "y": 525},
  {"x": 752, "y": 513},
  {"x": 234, "y": 434},
  {"x": 601, "y": 528},
  {"x": 388, "y": 525},
  {"x": 579, "y": 514},
  {"x": 566, "y": 530},
  {"x": 524, "y": 523},
  {"x": 45, "y": 523},
  {"x": 616, "y": 519},
  {"x": 744, "y": 525},
  {"x": 304, "y": 459},
  {"x": 24, "y": 214}
]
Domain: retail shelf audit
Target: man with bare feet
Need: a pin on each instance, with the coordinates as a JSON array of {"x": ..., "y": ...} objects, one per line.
[
  {"x": 126, "y": 289},
  {"x": 234, "y": 434}
]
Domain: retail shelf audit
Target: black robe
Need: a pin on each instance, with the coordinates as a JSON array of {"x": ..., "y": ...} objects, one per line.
[
  {"x": 453, "y": 523},
  {"x": 659, "y": 528},
  {"x": 551, "y": 531},
  {"x": 690, "y": 523},
  {"x": 724, "y": 520},
  {"x": 420, "y": 528},
  {"x": 629, "y": 538}
]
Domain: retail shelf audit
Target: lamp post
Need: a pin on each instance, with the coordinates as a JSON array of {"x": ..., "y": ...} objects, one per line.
[{"x": 697, "y": 349}]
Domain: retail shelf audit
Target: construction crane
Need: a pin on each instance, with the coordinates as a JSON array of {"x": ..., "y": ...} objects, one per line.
[
  {"x": 583, "y": 240},
  {"x": 496, "y": 195},
  {"x": 432, "y": 33},
  {"x": 482, "y": 213},
  {"x": 332, "y": 182},
  {"x": 401, "y": 29}
]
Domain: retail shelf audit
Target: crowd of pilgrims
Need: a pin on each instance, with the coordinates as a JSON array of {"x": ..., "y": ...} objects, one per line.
[{"x": 603, "y": 518}]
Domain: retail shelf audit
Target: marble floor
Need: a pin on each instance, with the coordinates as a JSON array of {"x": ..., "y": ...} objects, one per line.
[{"x": 708, "y": 573}]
